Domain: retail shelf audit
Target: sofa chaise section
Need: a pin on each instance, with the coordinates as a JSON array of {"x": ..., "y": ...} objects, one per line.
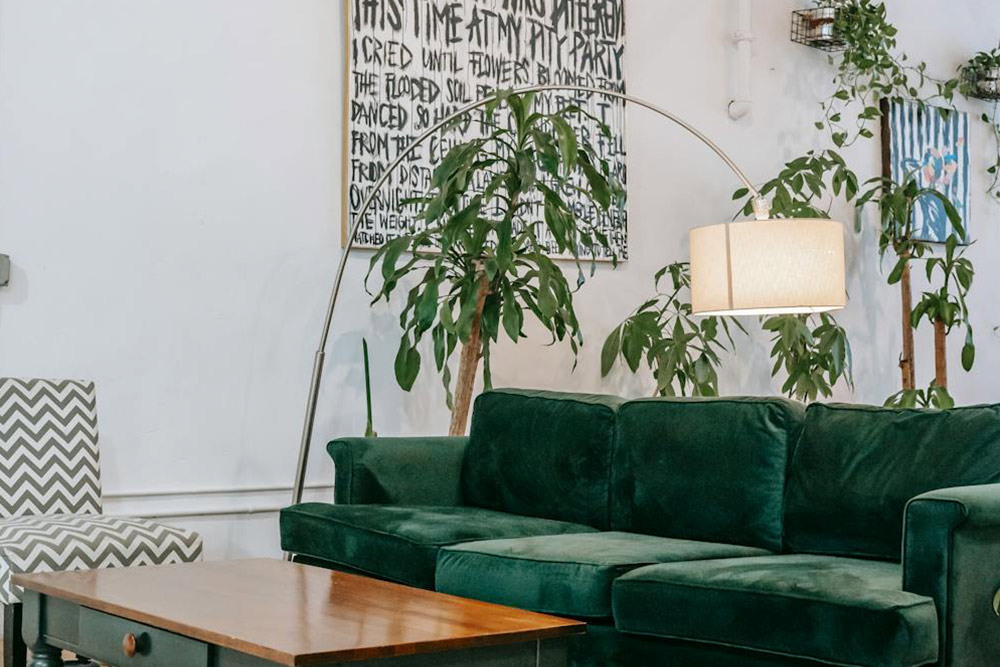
[{"x": 398, "y": 501}]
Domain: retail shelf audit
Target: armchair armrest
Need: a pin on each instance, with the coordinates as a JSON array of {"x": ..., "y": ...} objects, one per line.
[
  {"x": 398, "y": 471},
  {"x": 951, "y": 552}
]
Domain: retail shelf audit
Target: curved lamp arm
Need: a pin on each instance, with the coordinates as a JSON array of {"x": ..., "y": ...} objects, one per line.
[{"x": 761, "y": 209}]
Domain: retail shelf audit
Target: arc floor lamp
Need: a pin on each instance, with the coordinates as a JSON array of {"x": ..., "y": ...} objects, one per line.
[{"x": 756, "y": 267}]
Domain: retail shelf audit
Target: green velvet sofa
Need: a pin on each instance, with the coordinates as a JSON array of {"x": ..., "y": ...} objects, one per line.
[{"x": 748, "y": 532}]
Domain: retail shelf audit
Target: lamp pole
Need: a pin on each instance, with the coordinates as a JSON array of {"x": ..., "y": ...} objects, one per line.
[{"x": 761, "y": 209}]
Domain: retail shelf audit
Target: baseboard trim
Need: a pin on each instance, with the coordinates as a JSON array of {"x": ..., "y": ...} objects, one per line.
[
  {"x": 125, "y": 495},
  {"x": 211, "y": 502}
]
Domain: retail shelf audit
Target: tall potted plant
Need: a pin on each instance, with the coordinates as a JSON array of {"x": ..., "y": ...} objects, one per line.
[
  {"x": 945, "y": 306},
  {"x": 476, "y": 256}
]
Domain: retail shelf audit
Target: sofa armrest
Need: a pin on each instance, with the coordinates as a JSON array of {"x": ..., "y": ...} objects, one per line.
[
  {"x": 398, "y": 471},
  {"x": 951, "y": 552}
]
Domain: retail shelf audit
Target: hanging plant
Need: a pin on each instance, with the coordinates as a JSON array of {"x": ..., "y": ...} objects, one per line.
[
  {"x": 992, "y": 120},
  {"x": 980, "y": 76},
  {"x": 868, "y": 69}
]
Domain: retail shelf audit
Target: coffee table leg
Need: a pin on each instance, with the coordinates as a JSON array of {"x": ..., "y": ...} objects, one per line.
[{"x": 43, "y": 655}]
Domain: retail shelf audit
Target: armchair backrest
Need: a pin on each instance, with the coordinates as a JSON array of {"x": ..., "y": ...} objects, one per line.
[{"x": 49, "y": 462}]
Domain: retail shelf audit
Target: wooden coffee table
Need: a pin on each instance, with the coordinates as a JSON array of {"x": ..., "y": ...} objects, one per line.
[{"x": 261, "y": 613}]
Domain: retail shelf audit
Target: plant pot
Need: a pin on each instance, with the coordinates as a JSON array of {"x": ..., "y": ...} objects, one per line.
[
  {"x": 988, "y": 83},
  {"x": 819, "y": 25},
  {"x": 817, "y": 28}
]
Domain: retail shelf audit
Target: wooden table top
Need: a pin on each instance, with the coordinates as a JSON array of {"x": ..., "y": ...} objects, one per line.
[{"x": 296, "y": 614}]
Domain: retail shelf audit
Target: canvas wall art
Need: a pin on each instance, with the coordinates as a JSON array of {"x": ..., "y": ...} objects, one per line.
[
  {"x": 412, "y": 62},
  {"x": 934, "y": 148}
]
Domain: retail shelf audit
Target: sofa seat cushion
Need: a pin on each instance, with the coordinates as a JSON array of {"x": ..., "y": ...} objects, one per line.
[
  {"x": 837, "y": 610},
  {"x": 399, "y": 543},
  {"x": 562, "y": 574}
]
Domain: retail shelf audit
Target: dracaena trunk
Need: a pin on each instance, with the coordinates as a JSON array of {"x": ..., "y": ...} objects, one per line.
[
  {"x": 940, "y": 354},
  {"x": 468, "y": 365},
  {"x": 906, "y": 360}
]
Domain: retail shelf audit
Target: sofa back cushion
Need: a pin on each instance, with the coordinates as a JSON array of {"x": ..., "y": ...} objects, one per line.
[
  {"x": 856, "y": 467},
  {"x": 704, "y": 469},
  {"x": 542, "y": 454}
]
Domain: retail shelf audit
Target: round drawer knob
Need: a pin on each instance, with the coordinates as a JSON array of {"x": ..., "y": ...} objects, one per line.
[
  {"x": 996, "y": 603},
  {"x": 129, "y": 645}
]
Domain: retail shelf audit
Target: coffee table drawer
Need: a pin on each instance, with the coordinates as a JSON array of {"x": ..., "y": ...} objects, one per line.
[{"x": 124, "y": 643}]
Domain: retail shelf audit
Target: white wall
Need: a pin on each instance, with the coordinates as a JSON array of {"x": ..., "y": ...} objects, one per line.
[{"x": 169, "y": 195}]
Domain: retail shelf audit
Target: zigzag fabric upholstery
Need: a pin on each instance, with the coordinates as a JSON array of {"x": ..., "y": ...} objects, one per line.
[
  {"x": 50, "y": 491},
  {"x": 48, "y": 448},
  {"x": 75, "y": 542}
]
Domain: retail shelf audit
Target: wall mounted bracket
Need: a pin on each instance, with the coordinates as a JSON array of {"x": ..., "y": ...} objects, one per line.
[{"x": 742, "y": 100}]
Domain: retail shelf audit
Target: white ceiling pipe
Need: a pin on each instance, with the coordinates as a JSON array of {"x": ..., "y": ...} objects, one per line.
[{"x": 742, "y": 100}]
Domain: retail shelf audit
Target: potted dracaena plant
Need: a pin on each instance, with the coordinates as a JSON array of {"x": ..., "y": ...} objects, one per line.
[
  {"x": 476, "y": 263},
  {"x": 945, "y": 305}
]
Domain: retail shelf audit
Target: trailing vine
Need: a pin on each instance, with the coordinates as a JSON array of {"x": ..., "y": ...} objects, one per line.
[{"x": 871, "y": 69}]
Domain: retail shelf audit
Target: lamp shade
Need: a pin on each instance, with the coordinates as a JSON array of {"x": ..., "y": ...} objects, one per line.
[{"x": 768, "y": 267}]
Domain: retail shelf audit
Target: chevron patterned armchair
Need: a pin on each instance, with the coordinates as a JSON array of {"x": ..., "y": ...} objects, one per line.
[{"x": 50, "y": 498}]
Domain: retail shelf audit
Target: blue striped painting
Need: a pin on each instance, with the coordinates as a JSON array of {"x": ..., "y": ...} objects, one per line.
[{"x": 934, "y": 148}]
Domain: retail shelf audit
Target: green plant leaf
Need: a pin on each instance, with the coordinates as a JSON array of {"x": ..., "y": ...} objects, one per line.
[
  {"x": 513, "y": 317},
  {"x": 610, "y": 350},
  {"x": 407, "y": 364},
  {"x": 968, "y": 351},
  {"x": 567, "y": 143},
  {"x": 428, "y": 305}
]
